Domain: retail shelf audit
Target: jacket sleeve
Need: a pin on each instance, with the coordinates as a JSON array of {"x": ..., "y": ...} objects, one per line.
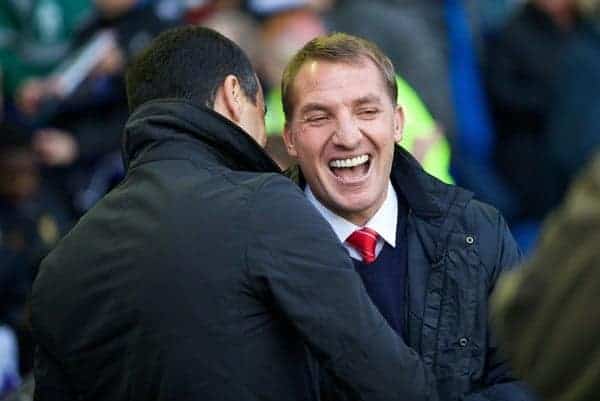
[
  {"x": 296, "y": 261},
  {"x": 498, "y": 382}
]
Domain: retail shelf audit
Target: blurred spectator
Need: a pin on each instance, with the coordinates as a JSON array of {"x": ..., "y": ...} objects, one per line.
[
  {"x": 1, "y": 94},
  {"x": 474, "y": 135},
  {"x": 523, "y": 67},
  {"x": 266, "y": 8},
  {"x": 32, "y": 219},
  {"x": 81, "y": 130},
  {"x": 282, "y": 34},
  {"x": 412, "y": 33},
  {"x": 494, "y": 13},
  {"x": 9, "y": 370},
  {"x": 545, "y": 312},
  {"x": 237, "y": 26},
  {"x": 573, "y": 130},
  {"x": 197, "y": 11},
  {"x": 25, "y": 391},
  {"x": 34, "y": 38}
]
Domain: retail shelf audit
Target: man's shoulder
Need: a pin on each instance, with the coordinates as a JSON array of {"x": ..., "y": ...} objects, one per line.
[
  {"x": 477, "y": 219},
  {"x": 433, "y": 198},
  {"x": 482, "y": 214},
  {"x": 283, "y": 204},
  {"x": 280, "y": 193},
  {"x": 266, "y": 188},
  {"x": 262, "y": 182},
  {"x": 461, "y": 204}
]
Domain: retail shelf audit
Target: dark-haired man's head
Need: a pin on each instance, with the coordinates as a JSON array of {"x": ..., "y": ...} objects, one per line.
[{"x": 203, "y": 67}]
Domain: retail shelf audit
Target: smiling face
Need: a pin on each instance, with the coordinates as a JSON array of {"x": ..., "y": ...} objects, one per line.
[{"x": 342, "y": 132}]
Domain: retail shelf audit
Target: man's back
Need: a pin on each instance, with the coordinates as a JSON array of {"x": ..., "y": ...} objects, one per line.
[{"x": 156, "y": 275}]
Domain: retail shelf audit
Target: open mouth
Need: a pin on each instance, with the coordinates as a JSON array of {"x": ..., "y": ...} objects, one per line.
[{"x": 351, "y": 170}]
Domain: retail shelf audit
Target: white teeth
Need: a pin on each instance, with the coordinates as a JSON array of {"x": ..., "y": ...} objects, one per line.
[{"x": 353, "y": 162}]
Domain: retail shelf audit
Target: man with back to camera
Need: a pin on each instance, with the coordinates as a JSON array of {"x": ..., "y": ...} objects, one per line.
[
  {"x": 181, "y": 283},
  {"x": 427, "y": 252}
]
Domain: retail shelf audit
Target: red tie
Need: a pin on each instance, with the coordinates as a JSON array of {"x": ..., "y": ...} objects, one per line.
[{"x": 364, "y": 241}]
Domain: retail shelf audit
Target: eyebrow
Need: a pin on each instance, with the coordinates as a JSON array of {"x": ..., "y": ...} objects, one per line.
[
  {"x": 367, "y": 99},
  {"x": 314, "y": 106}
]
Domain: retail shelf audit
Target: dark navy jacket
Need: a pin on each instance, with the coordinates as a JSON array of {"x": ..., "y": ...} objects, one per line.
[{"x": 457, "y": 247}]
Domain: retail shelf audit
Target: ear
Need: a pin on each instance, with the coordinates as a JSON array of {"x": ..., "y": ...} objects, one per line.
[
  {"x": 288, "y": 139},
  {"x": 398, "y": 123},
  {"x": 228, "y": 100}
]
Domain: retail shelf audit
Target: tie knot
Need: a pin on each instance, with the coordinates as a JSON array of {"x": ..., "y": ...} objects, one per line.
[{"x": 364, "y": 241}]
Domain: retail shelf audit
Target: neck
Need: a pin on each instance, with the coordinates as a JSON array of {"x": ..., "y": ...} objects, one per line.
[
  {"x": 363, "y": 216},
  {"x": 359, "y": 218}
]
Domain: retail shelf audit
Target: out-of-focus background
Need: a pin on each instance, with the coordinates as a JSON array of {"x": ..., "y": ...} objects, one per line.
[{"x": 501, "y": 97}]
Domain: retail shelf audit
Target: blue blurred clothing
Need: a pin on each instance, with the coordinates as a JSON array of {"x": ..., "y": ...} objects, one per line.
[
  {"x": 523, "y": 65},
  {"x": 9, "y": 361},
  {"x": 474, "y": 138},
  {"x": 574, "y": 129},
  {"x": 472, "y": 117}
]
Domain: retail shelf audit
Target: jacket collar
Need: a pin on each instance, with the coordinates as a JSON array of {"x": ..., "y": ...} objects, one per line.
[
  {"x": 425, "y": 195},
  {"x": 177, "y": 119}
]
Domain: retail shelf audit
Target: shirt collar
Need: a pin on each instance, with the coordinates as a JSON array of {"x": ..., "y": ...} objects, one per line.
[{"x": 384, "y": 222}]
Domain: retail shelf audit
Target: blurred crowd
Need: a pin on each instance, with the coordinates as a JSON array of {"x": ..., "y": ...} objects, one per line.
[{"x": 500, "y": 97}]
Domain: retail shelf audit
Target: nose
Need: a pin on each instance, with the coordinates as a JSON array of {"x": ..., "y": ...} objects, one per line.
[{"x": 347, "y": 133}]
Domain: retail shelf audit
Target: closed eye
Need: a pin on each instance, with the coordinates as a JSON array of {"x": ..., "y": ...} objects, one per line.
[
  {"x": 368, "y": 113},
  {"x": 317, "y": 120}
]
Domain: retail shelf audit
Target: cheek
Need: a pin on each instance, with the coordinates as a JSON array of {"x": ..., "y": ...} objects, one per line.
[
  {"x": 260, "y": 126},
  {"x": 306, "y": 143},
  {"x": 308, "y": 159},
  {"x": 385, "y": 138}
]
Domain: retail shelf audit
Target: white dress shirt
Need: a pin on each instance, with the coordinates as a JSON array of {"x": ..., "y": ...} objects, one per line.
[{"x": 384, "y": 222}]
